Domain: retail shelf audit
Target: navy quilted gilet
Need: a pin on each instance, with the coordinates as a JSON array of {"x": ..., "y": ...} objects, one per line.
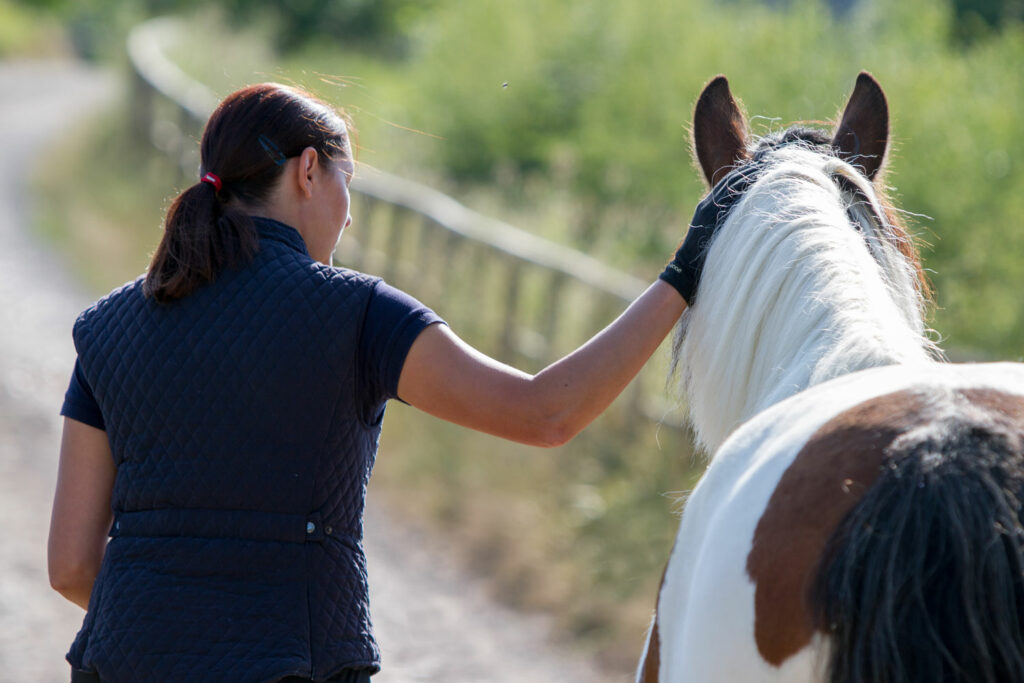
[{"x": 244, "y": 437}]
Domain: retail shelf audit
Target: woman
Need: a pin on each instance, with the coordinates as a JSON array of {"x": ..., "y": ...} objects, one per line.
[{"x": 223, "y": 415}]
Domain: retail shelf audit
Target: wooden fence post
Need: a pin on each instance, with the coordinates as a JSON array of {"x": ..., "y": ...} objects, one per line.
[{"x": 510, "y": 315}]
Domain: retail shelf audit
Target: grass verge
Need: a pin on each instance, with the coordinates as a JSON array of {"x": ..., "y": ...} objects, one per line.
[{"x": 102, "y": 206}]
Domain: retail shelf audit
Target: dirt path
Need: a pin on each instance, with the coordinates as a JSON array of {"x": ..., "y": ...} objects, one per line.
[
  {"x": 38, "y": 303},
  {"x": 435, "y": 622}
]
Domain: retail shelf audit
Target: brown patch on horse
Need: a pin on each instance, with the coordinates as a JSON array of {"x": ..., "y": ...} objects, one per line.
[
  {"x": 1006, "y": 410},
  {"x": 652, "y": 661},
  {"x": 827, "y": 478}
]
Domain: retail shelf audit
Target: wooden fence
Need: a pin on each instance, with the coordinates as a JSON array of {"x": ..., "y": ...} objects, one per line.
[{"x": 514, "y": 295}]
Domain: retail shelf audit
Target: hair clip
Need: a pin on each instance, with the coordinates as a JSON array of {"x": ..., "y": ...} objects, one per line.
[{"x": 270, "y": 148}]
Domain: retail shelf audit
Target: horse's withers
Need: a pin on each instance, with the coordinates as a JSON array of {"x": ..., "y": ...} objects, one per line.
[
  {"x": 923, "y": 579},
  {"x": 738, "y": 600}
]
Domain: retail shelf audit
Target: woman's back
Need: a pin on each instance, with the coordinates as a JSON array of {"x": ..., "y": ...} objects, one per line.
[{"x": 243, "y": 420}]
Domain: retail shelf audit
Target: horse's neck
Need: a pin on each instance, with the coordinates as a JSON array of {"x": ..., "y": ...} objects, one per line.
[
  {"x": 783, "y": 310},
  {"x": 831, "y": 353},
  {"x": 776, "y": 366}
]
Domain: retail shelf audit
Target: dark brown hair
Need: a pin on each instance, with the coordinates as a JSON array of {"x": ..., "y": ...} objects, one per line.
[{"x": 246, "y": 143}]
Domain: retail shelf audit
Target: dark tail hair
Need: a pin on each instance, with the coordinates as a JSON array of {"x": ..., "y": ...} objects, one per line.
[
  {"x": 247, "y": 141},
  {"x": 923, "y": 580}
]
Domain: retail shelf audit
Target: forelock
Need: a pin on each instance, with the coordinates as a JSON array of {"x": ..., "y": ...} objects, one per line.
[{"x": 802, "y": 136}]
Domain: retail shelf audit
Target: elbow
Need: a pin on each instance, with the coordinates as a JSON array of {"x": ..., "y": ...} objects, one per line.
[
  {"x": 73, "y": 580},
  {"x": 65, "y": 580},
  {"x": 555, "y": 432}
]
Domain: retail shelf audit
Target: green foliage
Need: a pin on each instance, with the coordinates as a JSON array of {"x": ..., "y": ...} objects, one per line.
[
  {"x": 373, "y": 25},
  {"x": 104, "y": 201},
  {"x": 958, "y": 160},
  {"x": 591, "y": 101},
  {"x": 978, "y": 19},
  {"x": 27, "y": 31}
]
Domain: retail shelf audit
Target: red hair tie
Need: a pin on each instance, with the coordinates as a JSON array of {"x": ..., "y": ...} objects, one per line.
[{"x": 213, "y": 180}]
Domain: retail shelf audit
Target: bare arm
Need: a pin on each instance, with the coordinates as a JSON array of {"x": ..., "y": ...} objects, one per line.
[
  {"x": 81, "y": 511},
  {"x": 447, "y": 378}
]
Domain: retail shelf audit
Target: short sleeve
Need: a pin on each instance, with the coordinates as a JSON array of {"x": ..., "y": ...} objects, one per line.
[
  {"x": 79, "y": 401},
  {"x": 393, "y": 321}
]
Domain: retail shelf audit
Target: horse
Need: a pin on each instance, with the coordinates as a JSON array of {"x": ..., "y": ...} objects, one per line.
[{"x": 860, "y": 518}]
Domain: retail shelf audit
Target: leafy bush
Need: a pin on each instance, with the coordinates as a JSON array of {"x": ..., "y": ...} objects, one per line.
[
  {"x": 978, "y": 19},
  {"x": 593, "y": 100},
  {"x": 373, "y": 25}
]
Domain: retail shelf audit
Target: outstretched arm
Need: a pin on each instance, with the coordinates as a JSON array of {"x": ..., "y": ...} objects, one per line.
[
  {"x": 81, "y": 511},
  {"x": 447, "y": 378}
]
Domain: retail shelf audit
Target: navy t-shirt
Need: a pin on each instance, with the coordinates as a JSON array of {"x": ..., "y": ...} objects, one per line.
[{"x": 393, "y": 322}]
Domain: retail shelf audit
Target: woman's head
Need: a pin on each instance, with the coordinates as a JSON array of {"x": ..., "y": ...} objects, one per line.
[
  {"x": 250, "y": 141},
  {"x": 254, "y": 131}
]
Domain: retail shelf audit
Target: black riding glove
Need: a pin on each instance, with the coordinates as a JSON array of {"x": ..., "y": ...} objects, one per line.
[{"x": 683, "y": 272}]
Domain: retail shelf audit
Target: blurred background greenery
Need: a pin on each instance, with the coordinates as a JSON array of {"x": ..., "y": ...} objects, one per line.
[{"x": 570, "y": 118}]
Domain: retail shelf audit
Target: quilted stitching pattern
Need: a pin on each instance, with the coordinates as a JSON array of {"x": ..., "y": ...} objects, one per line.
[{"x": 240, "y": 397}]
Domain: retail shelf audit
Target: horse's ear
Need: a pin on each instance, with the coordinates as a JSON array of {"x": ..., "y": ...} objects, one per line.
[
  {"x": 719, "y": 131},
  {"x": 863, "y": 133}
]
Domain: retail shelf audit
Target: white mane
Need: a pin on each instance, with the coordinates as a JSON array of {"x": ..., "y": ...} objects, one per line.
[{"x": 792, "y": 295}]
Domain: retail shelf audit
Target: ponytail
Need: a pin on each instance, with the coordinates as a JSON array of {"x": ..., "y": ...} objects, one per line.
[{"x": 201, "y": 239}]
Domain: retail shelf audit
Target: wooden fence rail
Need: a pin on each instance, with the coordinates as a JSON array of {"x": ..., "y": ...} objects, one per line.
[{"x": 517, "y": 296}]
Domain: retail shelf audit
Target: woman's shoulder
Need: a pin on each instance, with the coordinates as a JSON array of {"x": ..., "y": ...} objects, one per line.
[
  {"x": 118, "y": 303},
  {"x": 378, "y": 292},
  {"x": 343, "y": 280},
  {"x": 127, "y": 293}
]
